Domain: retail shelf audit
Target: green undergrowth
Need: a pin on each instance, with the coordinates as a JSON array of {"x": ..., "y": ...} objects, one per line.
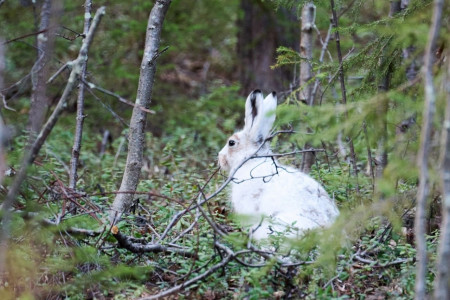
[
  {"x": 176, "y": 168},
  {"x": 367, "y": 253}
]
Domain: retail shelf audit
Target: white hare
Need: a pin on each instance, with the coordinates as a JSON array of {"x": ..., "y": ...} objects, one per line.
[{"x": 273, "y": 197}]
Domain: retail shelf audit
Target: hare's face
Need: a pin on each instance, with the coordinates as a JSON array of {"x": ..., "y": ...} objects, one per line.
[
  {"x": 259, "y": 118},
  {"x": 235, "y": 151}
]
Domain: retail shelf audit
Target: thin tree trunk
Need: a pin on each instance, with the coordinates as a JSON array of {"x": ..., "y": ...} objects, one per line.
[
  {"x": 306, "y": 53},
  {"x": 73, "y": 176},
  {"x": 136, "y": 137},
  {"x": 382, "y": 157},
  {"x": 3, "y": 133},
  {"x": 3, "y": 247},
  {"x": 422, "y": 159},
  {"x": 321, "y": 57},
  {"x": 31, "y": 154},
  {"x": 343, "y": 89},
  {"x": 44, "y": 44},
  {"x": 411, "y": 74},
  {"x": 442, "y": 281}
]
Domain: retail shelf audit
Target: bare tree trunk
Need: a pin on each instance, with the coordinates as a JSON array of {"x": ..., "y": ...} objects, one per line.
[
  {"x": 45, "y": 41},
  {"x": 343, "y": 89},
  {"x": 31, "y": 154},
  {"x": 422, "y": 159},
  {"x": 2, "y": 63},
  {"x": 442, "y": 281},
  {"x": 73, "y": 176},
  {"x": 136, "y": 137},
  {"x": 306, "y": 53},
  {"x": 3, "y": 247},
  {"x": 256, "y": 48}
]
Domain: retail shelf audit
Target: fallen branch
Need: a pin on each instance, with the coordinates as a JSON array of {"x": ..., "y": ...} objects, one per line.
[
  {"x": 128, "y": 243},
  {"x": 72, "y": 230},
  {"x": 375, "y": 263},
  {"x": 47, "y": 222}
]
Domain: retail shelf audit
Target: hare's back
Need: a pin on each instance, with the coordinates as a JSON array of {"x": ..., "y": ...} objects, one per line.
[{"x": 299, "y": 196}]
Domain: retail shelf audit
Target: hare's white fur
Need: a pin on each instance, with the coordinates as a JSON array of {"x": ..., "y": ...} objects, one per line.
[{"x": 273, "y": 197}]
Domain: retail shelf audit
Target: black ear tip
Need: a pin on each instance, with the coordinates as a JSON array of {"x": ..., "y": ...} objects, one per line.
[
  {"x": 256, "y": 91},
  {"x": 274, "y": 93}
]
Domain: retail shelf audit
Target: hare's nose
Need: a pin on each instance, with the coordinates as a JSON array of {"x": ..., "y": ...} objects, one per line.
[{"x": 222, "y": 160}]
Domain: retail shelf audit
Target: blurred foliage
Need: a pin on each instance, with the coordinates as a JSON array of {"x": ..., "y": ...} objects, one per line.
[{"x": 197, "y": 106}]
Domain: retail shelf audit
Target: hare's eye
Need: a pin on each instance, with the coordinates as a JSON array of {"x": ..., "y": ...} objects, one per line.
[{"x": 231, "y": 143}]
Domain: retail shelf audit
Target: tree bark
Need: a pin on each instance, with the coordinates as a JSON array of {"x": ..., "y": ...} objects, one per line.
[
  {"x": 3, "y": 247},
  {"x": 306, "y": 53},
  {"x": 73, "y": 176},
  {"x": 45, "y": 41},
  {"x": 442, "y": 281},
  {"x": 136, "y": 137},
  {"x": 422, "y": 159},
  {"x": 256, "y": 48}
]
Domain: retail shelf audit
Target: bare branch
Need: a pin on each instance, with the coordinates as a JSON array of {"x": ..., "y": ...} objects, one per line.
[
  {"x": 127, "y": 243},
  {"x": 322, "y": 54},
  {"x": 45, "y": 131},
  {"x": 73, "y": 230},
  {"x": 343, "y": 88},
  {"x": 108, "y": 108},
  {"x": 73, "y": 175},
  {"x": 25, "y": 36},
  {"x": 230, "y": 255},
  {"x": 59, "y": 71},
  {"x": 376, "y": 263},
  {"x": 120, "y": 98}
]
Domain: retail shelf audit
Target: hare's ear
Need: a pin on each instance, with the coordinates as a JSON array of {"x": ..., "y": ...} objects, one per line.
[
  {"x": 267, "y": 115},
  {"x": 253, "y": 107},
  {"x": 260, "y": 114}
]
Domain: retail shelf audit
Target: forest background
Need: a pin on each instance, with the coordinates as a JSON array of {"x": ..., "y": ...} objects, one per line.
[{"x": 363, "y": 83}]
